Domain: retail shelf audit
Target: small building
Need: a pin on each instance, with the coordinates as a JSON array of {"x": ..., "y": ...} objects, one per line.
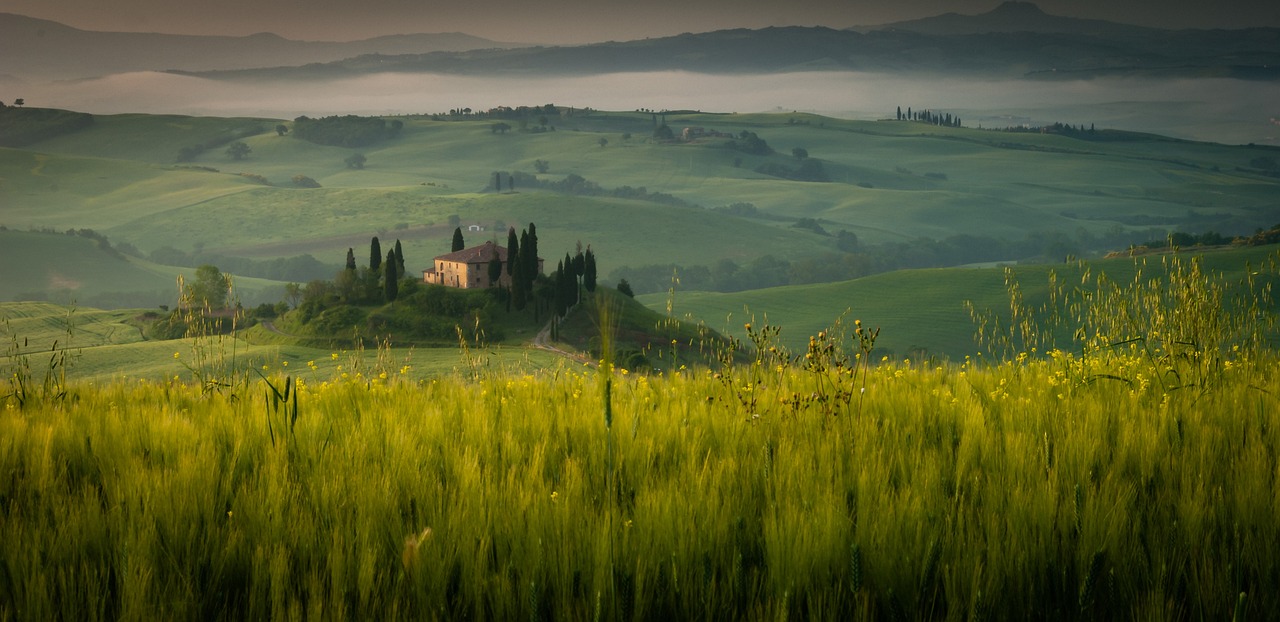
[{"x": 469, "y": 267}]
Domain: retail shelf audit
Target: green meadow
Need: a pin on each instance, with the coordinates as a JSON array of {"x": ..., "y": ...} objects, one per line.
[
  {"x": 924, "y": 312},
  {"x": 890, "y": 182}
]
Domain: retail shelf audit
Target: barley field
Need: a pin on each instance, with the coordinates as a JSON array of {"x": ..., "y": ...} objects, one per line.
[{"x": 1132, "y": 479}]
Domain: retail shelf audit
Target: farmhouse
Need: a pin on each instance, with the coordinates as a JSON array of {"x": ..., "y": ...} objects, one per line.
[{"x": 469, "y": 267}]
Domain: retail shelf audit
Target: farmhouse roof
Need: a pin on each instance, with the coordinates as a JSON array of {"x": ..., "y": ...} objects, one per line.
[{"x": 476, "y": 254}]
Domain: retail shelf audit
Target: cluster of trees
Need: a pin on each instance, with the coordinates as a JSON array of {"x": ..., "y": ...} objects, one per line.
[
  {"x": 517, "y": 112},
  {"x": 1183, "y": 239},
  {"x": 1066, "y": 129},
  {"x": 521, "y": 267},
  {"x": 346, "y": 131},
  {"x": 376, "y": 283},
  {"x": 748, "y": 142},
  {"x": 573, "y": 275},
  {"x": 928, "y": 116}
]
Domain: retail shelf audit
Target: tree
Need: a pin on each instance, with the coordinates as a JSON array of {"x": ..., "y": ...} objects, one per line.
[
  {"x": 210, "y": 288},
  {"x": 624, "y": 288},
  {"x": 356, "y": 161},
  {"x": 302, "y": 181},
  {"x": 603, "y": 141},
  {"x": 513, "y": 253},
  {"x": 400, "y": 272},
  {"x": 589, "y": 271},
  {"x": 495, "y": 270},
  {"x": 458, "y": 243},
  {"x": 375, "y": 255},
  {"x": 542, "y": 166},
  {"x": 579, "y": 264},
  {"x": 800, "y": 153},
  {"x": 390, "y": 285},
  {"x": 19, "y": 102},
  {"x": 351, "y": 259},
  {"x": 282, "y": 129},
  {"x": 293, "y": 294},
  {"x": 531, "y": 260},
  {"x": 238, "y": 150}
]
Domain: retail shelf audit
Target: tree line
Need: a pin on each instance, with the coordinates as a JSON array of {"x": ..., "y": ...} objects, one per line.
[
  {"x": 346, "y": 131},
  {"x": 943, "y": 119}
]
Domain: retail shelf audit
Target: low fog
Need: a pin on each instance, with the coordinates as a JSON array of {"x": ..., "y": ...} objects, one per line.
[{"x": 1218, "y": 110}]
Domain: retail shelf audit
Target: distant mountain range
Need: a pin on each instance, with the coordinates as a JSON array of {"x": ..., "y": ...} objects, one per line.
[
  {"x": 1014, "y": 40},
  {"x": 45, "y": 50}
]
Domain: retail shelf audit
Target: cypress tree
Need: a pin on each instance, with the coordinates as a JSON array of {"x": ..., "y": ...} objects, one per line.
[
  {"x": 458, "y": 243},
  {"x": 531, "y": 262},
  {"x": 399, "y": 260},
  {"x": 391, "y": 285},
  {"x": 351, "y": 259},
  {"x": 375, "y": 255},
  {"x": 495, "y": 270},
  {"x": 589, "y": 271},
  {"x": 513, "y": 254}
]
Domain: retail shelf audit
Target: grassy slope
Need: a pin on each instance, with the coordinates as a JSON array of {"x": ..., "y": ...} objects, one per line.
[
  {"x": 72, "y": 269},
  {"x": 108, "y": 345},
  {"x": 915, "y": 308},
  {"x": 996, "y": 182}
]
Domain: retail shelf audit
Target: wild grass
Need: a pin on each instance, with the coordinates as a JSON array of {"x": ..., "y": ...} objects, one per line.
[
  {"x": 923, "y": 312},
  {"x": 1011, "y": 491}
]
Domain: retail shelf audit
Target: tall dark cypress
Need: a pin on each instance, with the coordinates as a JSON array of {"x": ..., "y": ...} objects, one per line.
[
  {"x": 351, "y": 259},
  {"x": 399, "y": 260},
  {"x": 458, "y": 243},
  {"x": 375, "y": 255},
  {"x": 589, "y": 271},
  {"x": 531, "y": 264},
  {"x": 513, "y": 253},
  {"x": 525, "y": 282}
]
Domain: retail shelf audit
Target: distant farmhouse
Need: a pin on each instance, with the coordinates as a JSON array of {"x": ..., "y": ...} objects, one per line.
[{"x": 469, "y": 267}]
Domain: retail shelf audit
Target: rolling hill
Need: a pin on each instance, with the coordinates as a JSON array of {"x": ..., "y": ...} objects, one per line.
[
  {"x": 1014, "y": 39},
  {"x": 50, "y": 50},
  {"x": 912, "y": 194}
]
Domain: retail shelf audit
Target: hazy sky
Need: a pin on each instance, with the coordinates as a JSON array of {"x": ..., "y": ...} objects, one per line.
[{"x": 581, "y": 21}]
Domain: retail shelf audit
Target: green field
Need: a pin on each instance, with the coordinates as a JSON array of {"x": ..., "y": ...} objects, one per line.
[
  {"x": 890, "y": 182},
  {"x": 922, "y": 312},
  {"x": 73, "y": 270}
]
